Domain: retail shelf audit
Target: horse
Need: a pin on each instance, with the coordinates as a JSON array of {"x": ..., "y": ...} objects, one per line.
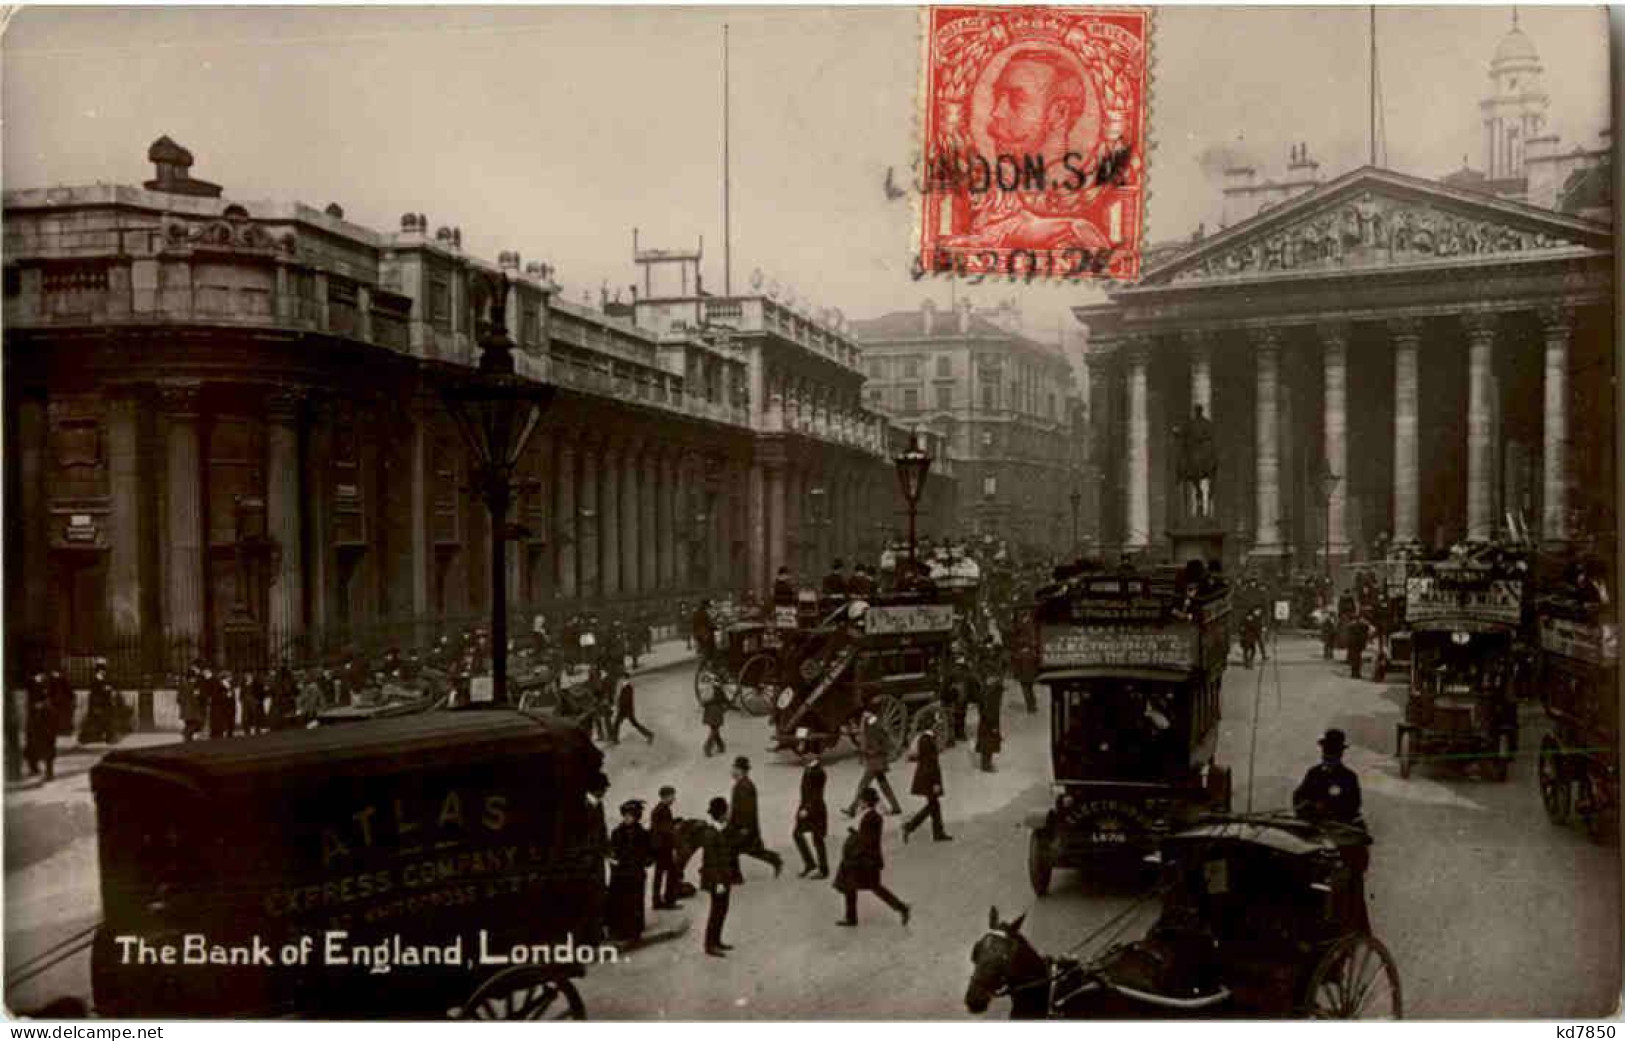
[{"x": 1164, "y": 976}]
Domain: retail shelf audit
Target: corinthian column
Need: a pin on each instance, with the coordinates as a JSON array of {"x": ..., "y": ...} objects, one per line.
[
  {"x": 1557, "y": 323},
  {"x": 631, "y": 515},
  {"x": 284, "y": 513},
  {"x": 1267, "y": 355},
  {"x": 609, "y": 512},
  {"x": 127, "y": 540},
  {"x": 648, "y": 520},
  {"x": 586, "y": 523},
  {"x": 1334, "y": 340},
  {"x": 1480, "y": 328},
  {"x": 1138, "y": 478},
  {"x": 183, "y": 527},
  {"x": 1406, "y": 334},
  {"x": 1200, "y": 349},
  {"x": 566, "y": 524}
]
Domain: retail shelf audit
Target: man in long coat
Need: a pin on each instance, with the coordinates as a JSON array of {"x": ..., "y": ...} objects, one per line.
[
  {"x": 812, "y": 818},
  {"x": 99, "y": 724},
  {"x": 39, "y": 742},
  {"x": 716, "y": 876},
  {"x": 928, "y": 785},
  {"x": 862, "y": 862},
  {"x": 193, "y": 706},
  {"x": 629, "y": 853},
  {"x": 988, "y": 737},
  {"x": 745, "y": 826}
]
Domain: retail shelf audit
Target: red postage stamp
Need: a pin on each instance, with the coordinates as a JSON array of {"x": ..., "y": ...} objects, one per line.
[{"x": 1034, "y": 157}]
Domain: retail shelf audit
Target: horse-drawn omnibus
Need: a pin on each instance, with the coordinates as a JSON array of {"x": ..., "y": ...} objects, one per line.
[
  {"x": 430, "y": 864},
  {"x": 1465, "y": 620},
  {"x": 890, "y": 656},
  {"x": 1134, "y": 661},
  {"x": 1579, "y": 684}
]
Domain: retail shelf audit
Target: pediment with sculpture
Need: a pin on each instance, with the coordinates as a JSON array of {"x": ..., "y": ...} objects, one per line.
[{"x": 1368, "y": 228}]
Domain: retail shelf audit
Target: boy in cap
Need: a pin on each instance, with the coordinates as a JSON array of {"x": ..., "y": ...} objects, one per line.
[
  {"x": 625, "y": 709},
  {"x": 716, "y": 876},
  {"x": 663, "y": 839}
]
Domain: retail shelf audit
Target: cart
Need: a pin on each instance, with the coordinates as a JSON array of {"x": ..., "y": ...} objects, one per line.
[
  {"x": 745, "y": 667},
  {"x": 1579, "y": 670},
  {"x": 1462, "y": 705},
  {"x": 431, "y": 864},
  {"x": 1134, "y": 661},
  {"x": 890, "y": 656},
  {"x": 1261, "y": 917}
]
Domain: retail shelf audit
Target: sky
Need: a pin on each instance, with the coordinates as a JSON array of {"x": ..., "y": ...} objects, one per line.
[{"x": 556, "y": 131}]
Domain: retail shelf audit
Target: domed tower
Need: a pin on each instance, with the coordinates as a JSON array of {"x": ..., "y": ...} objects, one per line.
[{"x": 1515, "y": 109}]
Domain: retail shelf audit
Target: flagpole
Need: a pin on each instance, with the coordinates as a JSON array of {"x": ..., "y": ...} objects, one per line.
[
  {"x": 727, "y": 177},
  {"x": 1371, "y": 82}
]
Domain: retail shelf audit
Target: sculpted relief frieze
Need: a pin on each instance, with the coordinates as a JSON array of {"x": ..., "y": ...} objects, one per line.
[{"x": 1370, "y": 231}]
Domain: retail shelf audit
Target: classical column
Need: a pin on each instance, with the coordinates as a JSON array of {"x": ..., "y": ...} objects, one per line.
[
  {"x": 423, "y": 413},
  {"x": 1557, "y": 324},
  {"x": 183, "y": 527},
  {"x": 1406, "y": 334},
  {"x": 1480, "y": 329},
  {"x": 586, "y": 523},
  {"x": 1334, "y": 340},
  {"x": 1137, "y": 480},
  {"x": 631, "y": 515},
  {"x": 1199, "y": 346},
  {"x": 664, "y": 521},
  {"x": 776, "y": 484},
  {"x": 756, "y": 528},
  {"x": 1099, "y": 451},
  {"x": 648, "y": 481},
  {"x": 609, "y": 512},
  {"x": 319, "y": 505},
  {"x": 566, "y": 523},
  {"x": 284, "y": 510},
  {"x": 126, "y": 539},
  {"x": 1267, "y": 354}
]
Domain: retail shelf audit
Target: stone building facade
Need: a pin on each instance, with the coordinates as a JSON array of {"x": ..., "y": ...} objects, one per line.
[
  {"x": 1006, "y": 405},
  {"x": 227, "y": 437},
  {"x": 1447, "y": 355}
]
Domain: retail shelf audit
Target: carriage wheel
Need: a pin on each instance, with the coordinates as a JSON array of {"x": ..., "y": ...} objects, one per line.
[
  {"x": 758, "y": 683},
  {"x": 893, "y": 715},
  {"x": 526, "y": 992},
  {"x": 1040, "y": 862},
  {"x": 1357, "y": 979},
  {"x": 705, "y": 681},
  {"x": 1554, "y": 784},
  {"x": 926, "y": 717},
  {"x": 1596, "y": 803},
  {"x": 1407, "y": 753},
  {"x": 1501, "y": 765}
]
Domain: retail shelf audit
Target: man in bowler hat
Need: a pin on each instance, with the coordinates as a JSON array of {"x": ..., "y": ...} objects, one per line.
[
  {"x": 716, "y": 876},
  {"x": 812, "y": 818},
  {"x": 744, "y": 824},
  {"x": 1330, "y": 791}
]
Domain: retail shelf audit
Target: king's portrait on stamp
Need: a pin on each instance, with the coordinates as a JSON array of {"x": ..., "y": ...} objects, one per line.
[{"x": 1034, "y": 135}]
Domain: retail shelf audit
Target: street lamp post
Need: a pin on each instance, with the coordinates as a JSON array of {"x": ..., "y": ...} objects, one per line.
[
  {"x": 497, "y": 410},
  {"x": 912, "y": 467},
  {"x": 1328, "y": 484}
]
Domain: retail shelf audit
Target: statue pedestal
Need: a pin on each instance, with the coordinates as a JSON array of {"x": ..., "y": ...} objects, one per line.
[{"x": 1201, "y": 540}]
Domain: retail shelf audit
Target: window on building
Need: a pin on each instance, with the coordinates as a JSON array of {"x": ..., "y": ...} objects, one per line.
[
  {"x": 990, "y": 396},
  {"x": 990, "y": 486},
  {"x": 911, "y": 400},
  {"x": 945, "y": 398},
  {"x": 877, "y": 368},
  {"x": 945, "y": 366},
  {"x": 440, "y": 303},
  {"x": 1015, "y": 395},
  {"x": 875, "y": 395},
  {"x": 911, "y": 368},
  {"x": 987, "y": 439}
]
